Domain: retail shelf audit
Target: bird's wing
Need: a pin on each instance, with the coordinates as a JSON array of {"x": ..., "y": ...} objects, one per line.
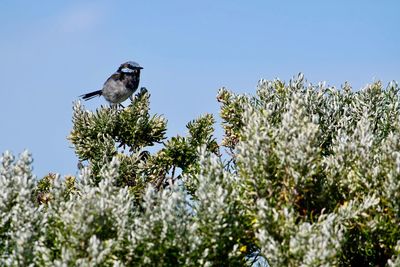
[{"x": 115, "y": 77}]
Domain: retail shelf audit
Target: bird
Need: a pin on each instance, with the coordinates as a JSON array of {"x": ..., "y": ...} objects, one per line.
[{"x": 120, "y": 85}]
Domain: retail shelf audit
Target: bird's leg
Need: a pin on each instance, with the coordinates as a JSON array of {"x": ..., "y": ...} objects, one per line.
[{"x": 114, "y": 106}]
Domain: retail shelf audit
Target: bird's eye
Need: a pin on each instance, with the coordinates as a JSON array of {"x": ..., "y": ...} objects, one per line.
[{"x": 127, "y": 70}]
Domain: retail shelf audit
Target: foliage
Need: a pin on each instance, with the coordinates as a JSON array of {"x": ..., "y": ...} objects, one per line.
[{"x": 310, "y": 176}]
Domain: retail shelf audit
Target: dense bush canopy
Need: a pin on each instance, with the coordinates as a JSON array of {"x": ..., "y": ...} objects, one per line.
[{"x": 306, "y": 175}]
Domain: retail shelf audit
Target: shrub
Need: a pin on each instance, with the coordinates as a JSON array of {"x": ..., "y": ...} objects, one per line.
[{"x": 306, "y": 175}]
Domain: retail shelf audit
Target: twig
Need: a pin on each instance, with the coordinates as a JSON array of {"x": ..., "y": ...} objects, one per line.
[
  {"x": 255, "y": 259},
  {"x": 171, "y": 180},
  {"x": 160, "y": 181}
]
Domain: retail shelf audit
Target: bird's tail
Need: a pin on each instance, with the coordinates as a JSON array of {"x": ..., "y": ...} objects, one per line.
[{"x": 91, "y": 95}]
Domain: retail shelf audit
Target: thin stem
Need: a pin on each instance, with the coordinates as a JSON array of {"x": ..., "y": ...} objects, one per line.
[
  {"x": 171, "y": 180},
  {"x": 173, "y": 173}
]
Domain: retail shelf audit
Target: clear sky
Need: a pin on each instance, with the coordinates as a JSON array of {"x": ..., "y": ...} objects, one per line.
[{"x": 53, "y": 51}]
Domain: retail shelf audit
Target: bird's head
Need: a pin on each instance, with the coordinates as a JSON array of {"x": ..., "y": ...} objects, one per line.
[{"x": 130, "y": 67}]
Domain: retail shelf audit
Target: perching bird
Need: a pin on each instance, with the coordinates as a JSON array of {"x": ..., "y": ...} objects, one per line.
[{"x": 119, "y": 86}]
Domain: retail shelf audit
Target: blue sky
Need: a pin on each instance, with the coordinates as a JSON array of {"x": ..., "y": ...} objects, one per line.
[{"x": 53, "y": 51}]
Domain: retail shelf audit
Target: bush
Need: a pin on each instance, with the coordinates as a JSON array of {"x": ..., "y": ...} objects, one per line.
[{"x": 309, "y": 175}]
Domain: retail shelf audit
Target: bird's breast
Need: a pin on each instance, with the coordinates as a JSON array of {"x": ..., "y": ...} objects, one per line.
[{"x": 116, "y": 91}]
